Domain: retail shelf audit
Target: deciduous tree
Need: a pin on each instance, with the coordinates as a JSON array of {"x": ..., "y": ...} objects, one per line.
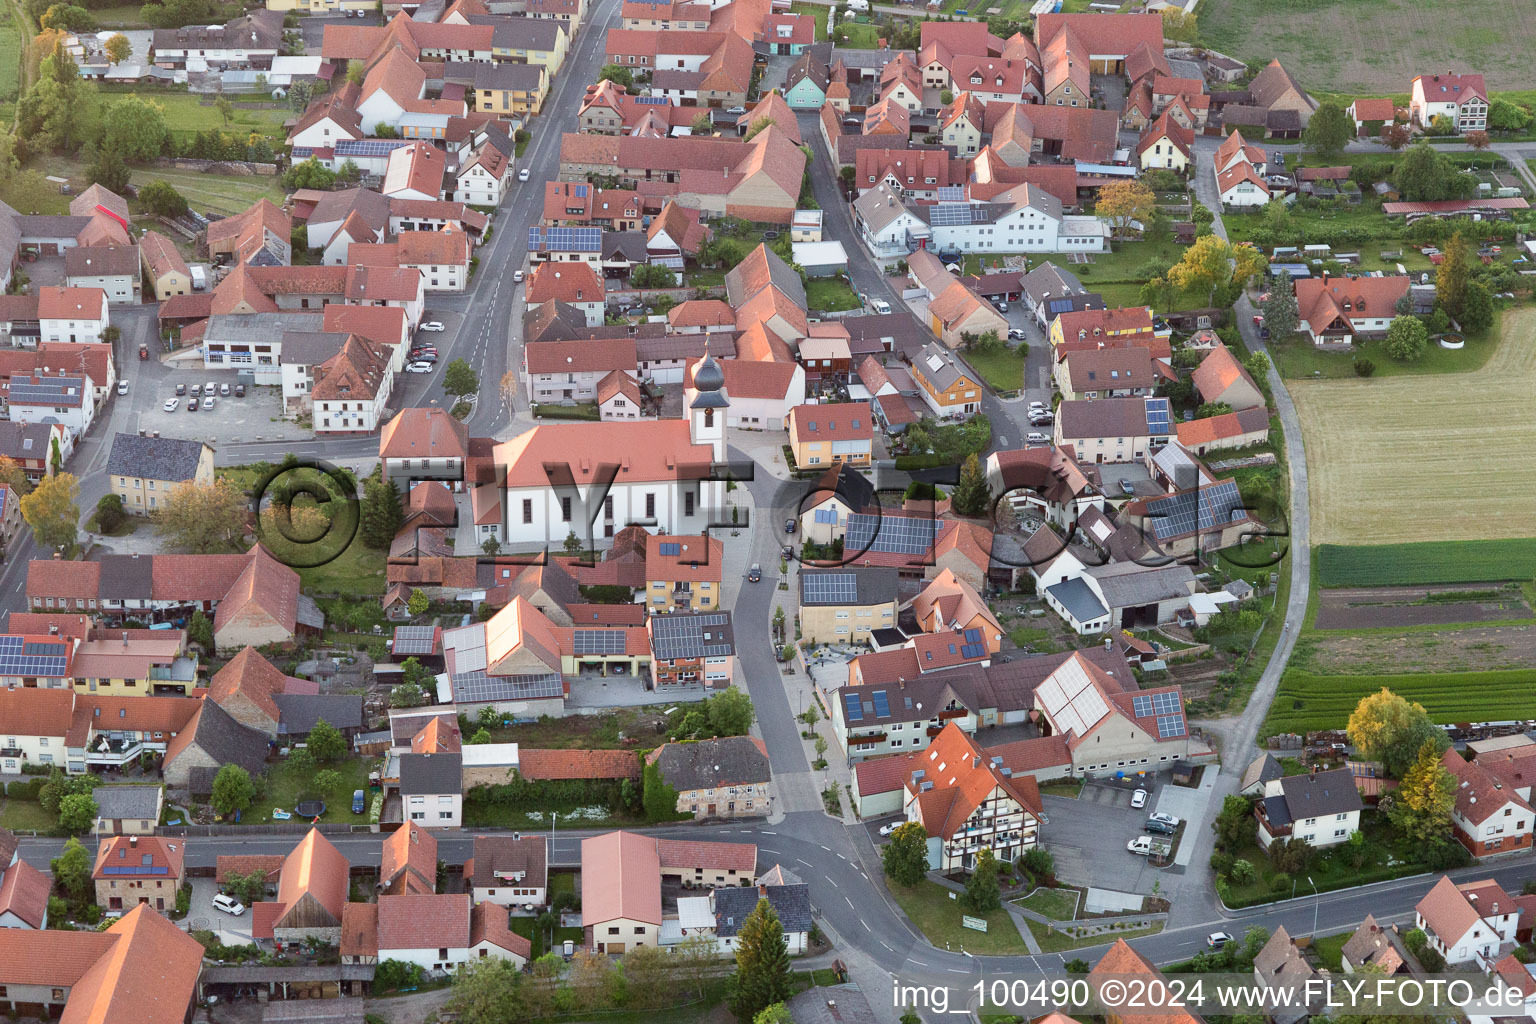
[
  {"x": 1421, "y": 805},
  {"x": 161, "y": 199},
  {"x": 135, "y": 127},
  {"x": 1476, "y": 308},
  {"x": 326, "y": 742},
  {"x": 1384, "y": 727},
  {"x": 51, "y": 510},
  {"x": 200, "y": 630},
  {"x": 118, "y": 48},
  {"x": 460, "y": 379},
  {"x": 905, "y": 858},
  {"x": 981, "y": 891},
  {"x": 1452, "y": 274},
  {"x": 1125, "y": 201},
  {"x": 1280, "y": 313},
  {"x": 233, "y": 789},
  {"x": 1328, "y": 130},
  {"x": 617, "y": 74},
  {"x": 203, "y": 518},
  {"x": 71, "y": 871},
  {"x": 1406, "y": 339}
]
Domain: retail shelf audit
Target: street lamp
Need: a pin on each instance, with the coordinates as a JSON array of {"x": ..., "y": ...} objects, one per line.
[{"x": 1316, "y": 902}]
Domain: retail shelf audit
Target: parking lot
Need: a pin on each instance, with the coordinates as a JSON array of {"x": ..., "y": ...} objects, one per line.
[
  {"x": 1088, "y": 835},
  {"x": 256, "y": 417}
]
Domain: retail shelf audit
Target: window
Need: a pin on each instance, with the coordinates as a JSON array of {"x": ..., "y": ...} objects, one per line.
[
  {"x": 527, "y": 510},
  {"x": 688, "y": 503},
  {"x": 565, "y": 510},
  {"x": 650, "y": 506},
  {"x": 613, "y": 931}
]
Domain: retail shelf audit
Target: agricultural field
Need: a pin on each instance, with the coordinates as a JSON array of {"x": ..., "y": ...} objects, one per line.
[
  {"x": 1450, "y": 561},
  {"x": 1308, "y": 702},
  {"x": 1356, "y": 608},
  {"x": 1338, "y": 45},
  {"x": 1404, "y": 459}
]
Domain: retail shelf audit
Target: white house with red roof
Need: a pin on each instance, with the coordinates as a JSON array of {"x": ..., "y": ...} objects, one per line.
[
  {"x": 71, "y": 314},
  {"x": 1109, "y": 725},
  {"x": 555, "y": 371},
  {"x": 1490, "y": 815},
  {"x": 1337, "y": 310},
  {"x": 761, "y": 393},
  {"x": 1471, "y": 923},
  {"x": 967, "y": 802},
  {"x": 1461, "y": 98}
]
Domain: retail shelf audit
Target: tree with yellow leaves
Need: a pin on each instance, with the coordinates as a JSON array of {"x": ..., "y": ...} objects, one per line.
[
  {"x": 1420, "y": 808},
  {"x": 1122, "y": 203},
  {"x": 51, "y": 510},
  {"x": 1384, "y": 727},
  {"x": 1213, "y": 264}
]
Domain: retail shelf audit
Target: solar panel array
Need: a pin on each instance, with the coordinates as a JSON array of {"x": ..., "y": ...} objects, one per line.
[
  {"x": 671, "y": 548},
  {"x": 414, "y": 639},
  {"x": 473, "y": 687},
  {"x": 598, "y": 641},
  {"x": 54, "y": 388},
  {"x": 1169, "y": 726},
  {"x": 1205, "y": 508},
  {"x": 579, "y": 191},
  {"x": 830, "y": 587},
  {"x": 1159, "y": 420},
  {"x": 1059, "y": 305},
  {"x": 902, "y": 535},
  {"x": 369, "y": 147},
  {"x": 882, "y": 705},
  {"x": 565, "y": 239},
  {"x": 827, "y": 516},
  {"x": 153, "y": 869},
  {"x": 1155, "y": 704},
  {"x": 951, "y": 193},
  {"x": 653, "y": 101},
  {"x": 22, "y": 657},
  {"x": 950, "y": 214},
  {"x": 683, "y": 636}
]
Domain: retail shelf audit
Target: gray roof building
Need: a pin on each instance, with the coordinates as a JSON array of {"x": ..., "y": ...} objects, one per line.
[
  {"x": 228, "y": 742},
  {"x": 1078, "y": 598},
  {"x": 939, "y": 367},
  {"x": 495, "y": 859},
  {"x": 707, "y": 764},
  {"x": 520, "y": 33},
  {"x": 311, "y": 348},
  {"x": 431, "y": 774},
  {"x": 101, "y": 260},
  {"x": 1261, "y": 770},
  {"x": 1049, "y": 281},
  {"x": 1129, "y": 584},
  {"x": 840, "y": 1004},
  {"x": 300, "y": 711},
  {"x": 848, "y": 585},
  {"x": 1106, "y": 417},
  {"x": 780, "y": 276},
  {"x": 125, "y": 577},
  {"x": 691, "y": 635},
  {"x": 791, "y": 902},
  {"x": 258, "y": 327},
  {"x": 1319, "y": 794},
  {"x": 154, "y": 458},
  {"x": 126, "y": 802}
]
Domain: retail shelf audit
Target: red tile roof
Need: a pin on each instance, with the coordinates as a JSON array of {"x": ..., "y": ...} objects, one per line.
[
  {"x": 409, "y": 862},
  {"x": 565, "y": 282},
  {"x": 69, "y": 303},
  {"x": 24, "y": 892},
  {"x": 423, "y": 922},
  {"x": 690, "y": 853},
  {"x": 252, "y": 676},
  {"x": 846, "y": 421},
  {"x": 134, "y": 856},
  {"x": 488, "y": 922},
  {"x": 418, "y": 433},
  {"x": 359, "y": 929},
  {"x": 540, "y": 765}
]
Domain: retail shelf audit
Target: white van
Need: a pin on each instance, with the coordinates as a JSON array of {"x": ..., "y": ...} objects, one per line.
[
  {"x": 1141, "y": 846},
  {"x": 881, "y": 306},
  {"x": 858, "y": 5},
  {"x": 1036, "y": 438},
  {"x": 228, "y": 904}
]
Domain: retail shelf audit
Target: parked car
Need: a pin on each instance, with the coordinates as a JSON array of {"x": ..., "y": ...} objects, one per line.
[
  {"x": 1141, "y": 846},
  {"x": 1000, "y": 306},
  {"x": 224, "y": 390},
  {"x": 1279, "y": 159},
  {"x": 228, "y": 904},
  {"x": 1161, "y": 828},
  {"x": 755, "y": 573},
  {"x": 419, "y": 368},
  {"x": 432, "y": 326},
  {"x": 429, "y": 356},
  {"x": 239, "y": 390},
  {"x": 1035, "y": 437},
  {"x": 881, "y": 306},
  {"x": 358, "y": 801},
  {"x": 1042, "y": 419},
  {"x": 197, "y": 389},
  {"x": 122, "y": 387},
  {"x": 1139, "y": 798},
  {"x": 1017, "y": 334},
  {"x": 517, "y": 277},
  {"x": 208, "y": 403},
  {"x": 191, "y": 405},
  {"x": 522, "y": 175},
  {"x": 1167, "y": 819},
  {"x": 737, "y": 111},
  {"x": 886, "y": 830},
  {"x": 181, "y": 389},
  {"x": 1127, "y": 488},
  {"x": 171, "y": 404},
  {"x": 210, "y": 388}
]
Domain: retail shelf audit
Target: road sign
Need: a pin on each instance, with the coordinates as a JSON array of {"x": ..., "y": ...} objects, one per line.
[{"x": 978, "y": 924}]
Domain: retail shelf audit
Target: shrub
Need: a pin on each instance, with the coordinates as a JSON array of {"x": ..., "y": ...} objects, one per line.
[{"x": 1364, "y": 367}]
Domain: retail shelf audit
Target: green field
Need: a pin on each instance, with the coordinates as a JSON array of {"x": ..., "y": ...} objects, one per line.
[
  {"x": 1001, "y": 367},
  {"x": 830, "y": 294},
  {"x": 10, "y": 55},
  {"x": 216, "y": 193},
  {"x": 1450, "y": 561},
  {"x": 1306, "y": 702},
  {"x": 186, "y": 114}
]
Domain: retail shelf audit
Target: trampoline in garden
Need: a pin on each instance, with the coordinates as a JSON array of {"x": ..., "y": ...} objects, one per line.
[{"x": 309, "y": 808}]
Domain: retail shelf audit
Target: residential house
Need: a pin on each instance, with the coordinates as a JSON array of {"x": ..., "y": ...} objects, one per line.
[
  {"x": 1460, "y": 98},
  {"x": 840, "y": 492},
  {"x": 210, "y": 740},
  {"x": 618, "y": 397},
  {"x": 431, "y": 789},
  {"x": 1321, "y": 809},
  {"x": 440, "y": 931},
  {"x": 731, "y": 907},
  {"x": 164, "y": 269},
  {"x": 1370, "y": 115},
  {"x": 75, "y": 315},
  {"x": 1229, "y": 430},
  {"x": 1046, "y": 482},
  {"x": 484, "y": 174},
  {"x": 691, "y": 649},
  {"x": 132, "y": 870},
  {"x": 143, "y": 470},
  {"x": 260, "y": 236},
  {"x": 409, "y": 862},
  {"x": 821, "y": 435},
  {"x": 1489, "y": 816},
  {"x": 1339, "y": 310},
  {"x": 1221, "y": 379},
  {"x": 967, "y": 803},
  {"x": 125, "y": 811},
  {"x": 806, "y": 82},
  {"x": 847, "y": 604},
  {"x": 575, "y": 284},
  {"x": 442, "y": 257},
  {"x": 719, "y": 778},
  {"x": 67, "y": 400},
  {"x": 683, "y": 573},
  {"x": 423, "y": 444},
  {"x": 557, "y": 371},
  {"x": 1108, "y": 373},
  {"x": 1380, "y": 948},
  {"x": 112, "y": 268},
  {"x": 621, "y": 876},
  {"x": 142, "y": 968},
  {"x": 509, "y": 871},
  {"x": 24, "y": 890},
  {"x": 948, "y": 604},
  {"x": 1288, "y": 980},
  {"x": 1049, "y": 291},
  {"x": 1165, "y": 145},
  {"x": 1112, "y": 429},
  {"x": 1274, "y": 105},
  {"x": 764, "y": 289},
  {"x": 251, "y": 41},
  {"x": 1471, "y": 923}
]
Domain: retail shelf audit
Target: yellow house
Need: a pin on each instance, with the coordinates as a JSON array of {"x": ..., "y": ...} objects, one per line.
[
  {"x": 532, "y": 41},
  {"x": 1090, "y": 324},
  {"x": 683, "y": 573},
  {"x": 822, "y": 435},
  {"x": 143, "y": 470},
  {"x": 508, "y": 88},
  {"x": 143, "y": 663},
  {"x": 164, "y": 269},
  {"x": 844, "y": 605},
  {"x": 1165, "y": 145}
]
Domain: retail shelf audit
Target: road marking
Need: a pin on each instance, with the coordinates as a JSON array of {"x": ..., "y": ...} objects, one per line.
[
  {"x": 833, "y": 881},
  {"x": 882, "y": 942},
  {"x": 799, "y": 861},
  {"x": 827, "y": 848},
  {"x": 850, "y": 902},
  {"x": 915, "y": 960},
  {"x": 956, "y": 970}
]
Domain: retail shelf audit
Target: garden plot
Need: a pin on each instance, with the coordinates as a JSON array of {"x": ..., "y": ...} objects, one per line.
[{"x": 1392, "y": 607}]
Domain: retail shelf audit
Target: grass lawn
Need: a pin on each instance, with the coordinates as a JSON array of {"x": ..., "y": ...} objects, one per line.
[
  {"x": 928, "y": 906},
  {"x": 1299, "y": 359},
  {"x": 1000, "y": 366},
  {"x": 830, "y": 294},
  {"x": 126, "y": 16},
  {"x": 1330, "y": 950},
  {"x": 1038, "y": 639},
  {"x": 1379, "y": 476},
  {"x": 1060, "y": 942},
  {"x": 1386, "y": 857},
  {"x": 816, "y": 13},
  {"x": 25, "y": 815},
  {"x": 860, "y": 37},
  {"x": 286, "y": 786},
  {"x": 1068, "y": 788},
  {"x": 354, "y": 570},
  {"x": 1305, "y": 701},
  {"x": 10, "y": 55},
  {"x": 216, "y": 193},
  {"x": 573, "y": 732},
  {"x": 1056, "y": 904},
  {"x": 524, "y": 926},
  {"x": 562, "y": 882},
  {"x": 186, "y": 114},
  {"x": 1324, "y": 38}
]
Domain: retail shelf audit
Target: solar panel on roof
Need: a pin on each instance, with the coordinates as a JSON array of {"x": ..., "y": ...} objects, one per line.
[
  {"x": 414, "y": 639},
  {"x": 830, "y": 587},
  {"x": 973, "y": 650},
  {"x": 369, "y": 147},
  {"x": 579, "y": 191},
  {"x": 949, "y": 214},
  {"x": 1169, "y": 726},
  {"x": 903, "y": 535},
  {"x": 475, "y": 687},
  {"x": 598, "y": 641},
  {"x": 854, "y": 712},
  {"x": 1058, "y": 305},
  {"x": 951, "y": 193},
  {"x": 652, "y": 101},
  {"x": 973, "y": 636},
  {"x": 19, "y": 657},
  {"x": 672, "y": 548},
  {"x": 882, "y": 704},
  {"x": 1158, "y": 416},
  {"x": 1187, "y": 511}
]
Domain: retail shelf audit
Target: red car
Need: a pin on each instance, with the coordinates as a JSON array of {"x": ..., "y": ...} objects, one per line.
[{"x": 1258, "y": 320}]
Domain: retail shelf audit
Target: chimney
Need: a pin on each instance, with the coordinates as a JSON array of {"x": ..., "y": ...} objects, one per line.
[{"x": 133, "y": 840}]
